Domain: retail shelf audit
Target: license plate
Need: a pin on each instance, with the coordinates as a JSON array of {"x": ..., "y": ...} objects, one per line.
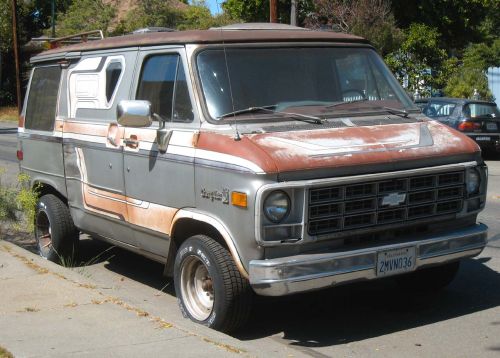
[
  {"x": 491, "y": 126},
  {"x": 483, "y": 139},
  {"x": 392, "y": 262}
]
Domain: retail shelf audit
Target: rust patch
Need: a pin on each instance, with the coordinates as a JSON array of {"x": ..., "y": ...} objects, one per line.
[
  {"x": 244, "y": 148},
  {"x": 85, "y": 128}
]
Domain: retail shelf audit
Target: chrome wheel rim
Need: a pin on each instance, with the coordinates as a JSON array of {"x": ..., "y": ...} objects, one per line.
[
  {"x": 43, "y": 233},
  {"x": 196, "y": 288}
]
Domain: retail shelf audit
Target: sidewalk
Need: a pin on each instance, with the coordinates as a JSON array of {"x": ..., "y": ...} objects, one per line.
[{"x": 50, "y": 311}]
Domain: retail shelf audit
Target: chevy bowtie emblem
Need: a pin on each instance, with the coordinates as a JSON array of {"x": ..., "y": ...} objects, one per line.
[{"x": 394, "y": 199}]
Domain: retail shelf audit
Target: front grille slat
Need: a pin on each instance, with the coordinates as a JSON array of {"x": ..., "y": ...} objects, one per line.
[{"x": 360, "y": 205}]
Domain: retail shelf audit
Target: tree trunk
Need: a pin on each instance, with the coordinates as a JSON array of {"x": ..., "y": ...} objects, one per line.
[{"x": 273, "y": 11}]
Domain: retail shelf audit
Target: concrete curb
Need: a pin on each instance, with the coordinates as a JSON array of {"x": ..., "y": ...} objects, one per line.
[{"x": 161, "y": 310}]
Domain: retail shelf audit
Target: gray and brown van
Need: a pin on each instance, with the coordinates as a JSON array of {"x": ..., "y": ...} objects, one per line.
[{"x": 250, "y": 159}]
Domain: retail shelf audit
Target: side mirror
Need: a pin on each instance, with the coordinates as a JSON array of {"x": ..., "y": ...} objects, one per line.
[{"x": 134, "y": 113}]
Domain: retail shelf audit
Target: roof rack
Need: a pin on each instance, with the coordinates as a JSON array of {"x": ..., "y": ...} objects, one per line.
[
  {"x": 258, "y": 26},
  {"x": 71, "y": 39},
  {"x": 152, "y": 29}
]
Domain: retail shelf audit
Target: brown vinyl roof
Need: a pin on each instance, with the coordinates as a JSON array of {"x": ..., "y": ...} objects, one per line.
[{"x": 206, "y": 37}]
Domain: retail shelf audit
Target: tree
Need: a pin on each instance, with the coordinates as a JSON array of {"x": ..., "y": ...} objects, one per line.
[
  {"x": 371, "y": 19},
  {"x": 85, "y": 15},
  {"x": 32, "y": 18},
  {"x": 258, "y": 10},
  {"x": 482, "y": 56},
  {"x": 465, "y": 81},
  {"x": 418, "y": 60},
  {"x": 459, "y": 22}
]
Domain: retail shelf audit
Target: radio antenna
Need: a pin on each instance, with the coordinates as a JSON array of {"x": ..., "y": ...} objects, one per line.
[{"x": 237, "y": 136}]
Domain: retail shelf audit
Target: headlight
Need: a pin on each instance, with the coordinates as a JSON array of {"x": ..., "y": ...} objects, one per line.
[
  {"x": 473, "y": 181},
  {"x": 277, "y": 206}
]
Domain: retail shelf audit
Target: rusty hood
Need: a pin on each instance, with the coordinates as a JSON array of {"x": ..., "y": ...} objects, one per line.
[{"x": 350, "y": 150}]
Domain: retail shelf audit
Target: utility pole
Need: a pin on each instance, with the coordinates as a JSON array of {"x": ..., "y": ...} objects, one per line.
[
  {"x": 53, "y": 14},
  {"x": 16, "y": 54},
  {"x": 273, "y": 11},
  {"x": 293, "y": 13}
]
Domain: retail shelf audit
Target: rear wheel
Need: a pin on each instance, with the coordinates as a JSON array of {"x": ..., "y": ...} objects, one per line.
[
  {"x": 430, "y": 279},
  {"x": 210, "y": 290},
  {"x": 55, "y": 233}
]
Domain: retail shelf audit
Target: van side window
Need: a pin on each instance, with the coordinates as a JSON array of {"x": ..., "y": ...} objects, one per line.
[
  {"x": 113, "y": 72},
  {"x": 163, "y": 83},
  {"x": 42, "y": 103},
  {"x": 94, "y": 81}
]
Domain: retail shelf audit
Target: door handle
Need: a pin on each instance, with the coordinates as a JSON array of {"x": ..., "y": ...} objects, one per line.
[{"x": 131, "y": 142}]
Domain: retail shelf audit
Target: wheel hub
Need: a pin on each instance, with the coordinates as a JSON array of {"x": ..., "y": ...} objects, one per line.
[
  {"x": 197, "y": 288},
  {"x": 43, "y": 233}
]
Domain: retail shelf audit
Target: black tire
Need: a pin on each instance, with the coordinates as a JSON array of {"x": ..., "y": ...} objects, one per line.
[
  {"x": 428, "y": 280},
  {"x": 55, "y": 233},
  {"x": 225, "y": 288}
]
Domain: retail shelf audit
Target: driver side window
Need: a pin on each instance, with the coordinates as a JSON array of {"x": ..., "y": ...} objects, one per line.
[{"x": 163, "y": 83}]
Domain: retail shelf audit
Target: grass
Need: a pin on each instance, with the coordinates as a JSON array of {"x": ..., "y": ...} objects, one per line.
[
  {"x": 5, "y": 353},
  {"x": 9, "y": 114}
]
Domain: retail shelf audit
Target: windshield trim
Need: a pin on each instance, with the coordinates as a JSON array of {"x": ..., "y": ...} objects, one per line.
[{"x": 256, "y": 45}]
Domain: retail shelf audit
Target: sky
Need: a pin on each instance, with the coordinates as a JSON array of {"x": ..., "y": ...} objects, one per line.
[{"x": 212, "y": 5}]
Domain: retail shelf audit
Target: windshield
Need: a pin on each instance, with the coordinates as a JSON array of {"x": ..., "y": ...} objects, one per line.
[{"x": 319, "y": 79}]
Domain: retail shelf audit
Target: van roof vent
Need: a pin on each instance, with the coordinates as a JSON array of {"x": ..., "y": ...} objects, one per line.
[{"x": 258, "y": 26}]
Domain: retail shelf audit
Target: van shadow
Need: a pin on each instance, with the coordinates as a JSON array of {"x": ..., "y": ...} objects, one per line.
[
  {"x": 367, "y": 310},
  {"x": 338, "y": 315},
  {"x": 343, "y": 314},
  {"x": 125, "y": 263}
]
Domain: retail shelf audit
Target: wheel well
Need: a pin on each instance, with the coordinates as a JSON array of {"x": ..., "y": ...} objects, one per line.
[
  {"x": 44, "y": 189},
  {"x": 184, "y": 229}
]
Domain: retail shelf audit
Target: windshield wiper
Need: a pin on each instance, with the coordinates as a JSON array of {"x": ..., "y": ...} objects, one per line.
[
  {"x": 296, "y": 116},
  {"x": 346, "y": 102},
  {"x": 398, "y": 112},
  {"x": 247, "y": 110}
]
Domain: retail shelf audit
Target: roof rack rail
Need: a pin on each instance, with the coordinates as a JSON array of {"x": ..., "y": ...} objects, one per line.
[
  {"x": 152, "y": 29},
  {"x": 258, "y": 26},
  {"x": 71, "y": 39}
]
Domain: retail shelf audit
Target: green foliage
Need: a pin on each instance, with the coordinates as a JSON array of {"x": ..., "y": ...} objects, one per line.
[
  {"x": 258, "y": 10},
  {"x": 18, "y": 204},
  {"x": 482, "y": 56},
  {"x": 8, "y": 204},
  {"x": 460, "y": 22},
  {"x": 163, "y": 13},
  {"x": 85, "y": 15},
  {"x": 418, "y": 59},
  {"x": 248, "y": 11},
  {"x": 465, "y": 80},
  {"x": 26, "y": 199}
]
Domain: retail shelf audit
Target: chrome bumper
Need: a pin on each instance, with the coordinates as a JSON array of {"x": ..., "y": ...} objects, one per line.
[{"x": 301, "y": 273}]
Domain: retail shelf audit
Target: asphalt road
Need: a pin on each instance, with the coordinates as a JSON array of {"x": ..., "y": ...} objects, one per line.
[{"x": 371, "y": 319}]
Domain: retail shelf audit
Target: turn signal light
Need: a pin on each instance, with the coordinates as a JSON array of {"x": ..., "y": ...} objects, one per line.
[
  {"x": 239, "y": 199},
  {"x": 469, "y": 126}
]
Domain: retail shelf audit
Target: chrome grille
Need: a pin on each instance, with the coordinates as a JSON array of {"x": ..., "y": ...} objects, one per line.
[{"x": 359, "y": 205}]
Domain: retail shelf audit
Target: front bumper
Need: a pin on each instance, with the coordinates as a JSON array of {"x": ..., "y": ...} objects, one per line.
[{"x": 301, "y": 273}]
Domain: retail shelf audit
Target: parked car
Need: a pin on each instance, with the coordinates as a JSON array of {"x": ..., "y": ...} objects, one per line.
[
  {"x": 480, "y": 120},
  {"x": 251, "y": 159},
  {"x": 421, "y": 102}
]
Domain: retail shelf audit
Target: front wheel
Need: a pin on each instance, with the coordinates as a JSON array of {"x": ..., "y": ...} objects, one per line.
[{"x": 210, "y": 290}]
